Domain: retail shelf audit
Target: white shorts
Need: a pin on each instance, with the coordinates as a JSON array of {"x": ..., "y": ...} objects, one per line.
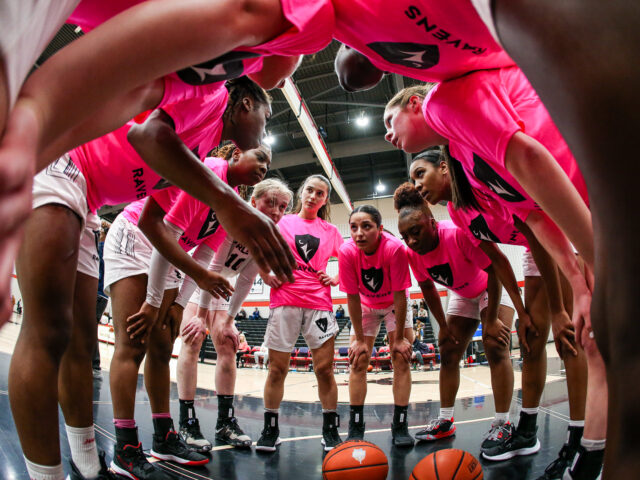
[
  {"x": 483, "y": 7},
  {"x": 529, "y": 267},
  {"x": 287, "y": 322},
  {"x": 471, "y": 307},
  {"x": 221, "y": 303},
  {"x": 26, "y": 28},
  {"x": 127, "y": 252},
  {"x": 62, "y": 183},
  {"x": 373, "y": 317},
  {"x": 195, "y": 297}
]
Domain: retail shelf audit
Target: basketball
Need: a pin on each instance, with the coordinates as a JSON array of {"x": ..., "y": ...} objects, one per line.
[
  {"x": 369, "y": 368},
  {"x": 355, "y": 460},
  {"x": 449, "y": 464}
]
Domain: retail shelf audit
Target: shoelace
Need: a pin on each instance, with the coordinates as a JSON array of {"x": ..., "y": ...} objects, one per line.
[
  {"x": 140, "y": 460},
  {"x": 435, "y": 423},
  {"x": 559, "y": 462},
  {"x": 193, "y": 428},
  {"x": 496, "y": 431}
]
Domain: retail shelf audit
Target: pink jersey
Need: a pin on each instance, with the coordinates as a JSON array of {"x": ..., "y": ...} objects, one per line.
[
  {"x": 197, "y": 220},
  {"x": 165, "y": 198},
  {"x": 430, "y": 40},
  {"x": 493, "y": 224},
  {"x": 479, "y": 114},
  {"x": 114, "y": 171},
  {"x": 375, "y": 277},
  {"x": 455, "y": 263},
  {"x": 312, "y": 242}
]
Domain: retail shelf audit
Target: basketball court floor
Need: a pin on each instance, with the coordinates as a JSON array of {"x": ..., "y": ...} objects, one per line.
[{"x": 300, "y": 455}]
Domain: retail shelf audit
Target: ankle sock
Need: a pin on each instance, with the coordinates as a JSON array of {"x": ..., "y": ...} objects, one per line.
[
  {"x": 356, "y": 414},
  {"x": 528, "y": 420},
  {"x": 330, "y": 418},
  {"x": 187, "y": 411},
  {"x": 399, "y": 414},
  {"x": 162, "y": 424},
  {"x": 501, "y": 417},
  {"x": 574, "y": 435},
  {"x": 225, "y": 407},
  {"x": 446, "y": 413},
  {"x": 82, "y": 442},
  {"x": 124, "y": 422},
  {"x": 270, "y": 418},
  {"x": 593, "y": 445},
  {"x": 44, "y": 472}
]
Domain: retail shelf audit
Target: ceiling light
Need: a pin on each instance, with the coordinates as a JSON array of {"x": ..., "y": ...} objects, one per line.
[
  {"x": 362, "y": 121},
  {"x": 381, "y": 187},
  {"x": 269, "y": 139}
]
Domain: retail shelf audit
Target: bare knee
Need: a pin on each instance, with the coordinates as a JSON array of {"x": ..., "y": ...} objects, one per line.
[
  {"x": 277, "y": 373},
  {"x": 495, "y": 351},
  {"x": 324, "y": 369},
  {"x": 160, "y": 351},
  {"x": 449, "y": 355},
  {"x": 361, "y": 365}
]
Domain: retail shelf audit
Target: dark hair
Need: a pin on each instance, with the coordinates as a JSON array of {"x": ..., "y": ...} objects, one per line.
[
  {"x": 433, "y": 156},
  {"x": 406, "y": 199},
  {"x": 242, "y": 87},
  {"x": 225, "y": 151},
  {"x": 370, "y": 210},
  {"x": 462, "y": 194},
  {"x": 325, "y": 211}
]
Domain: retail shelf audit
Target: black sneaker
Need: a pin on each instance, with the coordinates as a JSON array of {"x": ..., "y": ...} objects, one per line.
[
  {"x": 130, "y": 462},
  {"x": 229, "y": 432},
  {"x": 556, "y": 469},
  {"x": 520, "y": 443},
  {"x": 103, "y": 474},
  {"x": 330, "y": 436},
  {"x": 269, "y": 439},
  {"x": 498, "y": 433},
  {"x": 356, "y": 431},
  {"x": 587, "y": 465},
  {"x": 192, "y": 436},
  {"x": 436, "y": 429},
  {"x": 173, "y": 448},
  {"x": 400, "y": 435}
]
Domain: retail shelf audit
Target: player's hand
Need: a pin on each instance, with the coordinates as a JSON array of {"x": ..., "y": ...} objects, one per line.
[
  {"x": 582, "y": 314},
  {"x": 272, "y": 281},
  {"x": 564, "y": 334},
  {"x": 227, "y": 333},
  {"x": 497, "y": 330},
  {"x": 139, "y": 325},
  {"x": 402, "y": 348},
  {"x": 526, "y": 327},
  {"x": 173, "y": 320},
  {"x": 194, "y": 331},
  {"x": 356, "y": 349},
  {"x": 215, "y": 284},
  {"x": 445, "y": 336},
  {"x": 325, "y": 279}
]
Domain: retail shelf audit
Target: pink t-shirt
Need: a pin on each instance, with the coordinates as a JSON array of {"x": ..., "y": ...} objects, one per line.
[
  {"x": 312, "y": 242},
  {"x": 493, "y": 224},
  {"x": 430, "y": 40},
  {"x": 197, "y": 220},
  {"x": 114, "y": 171},
  {"x": 165, "y": 198},
  {"x": 455, "y": 263},
  {"x": 375, "y": 277},
  {"x": 479, "y": 114}
]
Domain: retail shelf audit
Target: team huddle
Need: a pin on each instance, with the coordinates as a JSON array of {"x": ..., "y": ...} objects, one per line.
[{"x": 102, "y": 123}]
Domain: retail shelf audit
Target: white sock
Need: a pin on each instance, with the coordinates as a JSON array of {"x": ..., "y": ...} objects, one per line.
[
  {"x": 446, "y": 413},
  {"x": 530, "y": 411},
  {"x": 272, "y": 410},
  {"x": 501, "y": 417},
  {"x": 84, "y": 452},
  {"x": 44, "y": 472},
  {"x": 576, "y": 423},
  {"x": 592, "y": 445}
]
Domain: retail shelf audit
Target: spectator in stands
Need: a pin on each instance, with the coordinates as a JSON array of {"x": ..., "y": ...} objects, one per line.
[
  {"x": 340, "y": 312},
  {"x": 262, "y": 353},
  {"x": 243, "y": 347},
  {"x": 19, "y": 307},
  {"x": 420, "y": 349},
  {"x": 242, "y": 314},
  {"x": 423, "y": 314},
  {"x": 256, "y": 314},
  {"x": 414, "y": 309}
]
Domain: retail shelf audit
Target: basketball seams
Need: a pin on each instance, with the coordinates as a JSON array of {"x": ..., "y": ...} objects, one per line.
[
  {"x": 435, "y": 465},
  {"x": 357, "y": 467},
  {"x": 459, "y": 465},
  {"x": 479, "y": 476}
]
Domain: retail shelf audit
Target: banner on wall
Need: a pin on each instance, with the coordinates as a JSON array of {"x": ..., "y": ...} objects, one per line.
[{"x": 258, "y": 286}]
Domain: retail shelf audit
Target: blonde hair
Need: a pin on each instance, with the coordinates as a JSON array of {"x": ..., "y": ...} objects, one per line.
[
  {"x": 401, "y": 99},
  {"x": 271, "y": 185}
]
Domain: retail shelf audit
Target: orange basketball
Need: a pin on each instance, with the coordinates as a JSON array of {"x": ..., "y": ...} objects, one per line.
[
  {"x": 449, "y": 464},
  {"x": 369, "y": 368},
  {"x": 355, "y": 460}
]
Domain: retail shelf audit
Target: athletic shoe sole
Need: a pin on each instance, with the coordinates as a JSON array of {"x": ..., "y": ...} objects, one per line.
[
  {"x": 265, "y": 448},
  {"x": 514, "y": 453},
  {"x": 324, "y": 445},
  {"x": 181, "y": 461},
  {"x": 122, "y": 471},
  {"x": 439, "y": 436}
]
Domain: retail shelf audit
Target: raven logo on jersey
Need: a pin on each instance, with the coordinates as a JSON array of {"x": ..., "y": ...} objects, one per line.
[
  {"x": 322, "y": 324},
  {"x": 162, "y": 183},
  {"x": 219, "y": 69},
  {"x": 372, "y": 278},
  {"x": 442, "y": 274},
  {"x": 495, "y": 182},
  {"x": 411, "y": 55},
  {"x": 210, "y": 225},
  {"x": 481, "y": 230},
  {"x": 307, "y": 246}
]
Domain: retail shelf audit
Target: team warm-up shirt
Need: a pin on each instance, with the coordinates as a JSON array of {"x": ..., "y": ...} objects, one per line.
[
  {"x": 375, "y": 277},
  {"x": 312, "y": 242},
  {"x": 199, "y": 222},
  {"x": 165, "y": 199},
  {"x": 455, "y": 263},
  {"x": 430, "y": 40},
  {"x": 493, "y": 223},
  {"x": 114, "y": 171},
  {"x": 479, "y": 114}
]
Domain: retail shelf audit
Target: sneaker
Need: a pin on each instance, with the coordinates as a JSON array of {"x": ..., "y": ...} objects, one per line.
[
  {"x": 556, "y": 469},
  {"x": 131, "y": 463},
  {"x": 174, "y": 449},
  {"x": 400, "y": 435},
  {"x": 229, "y": 432},
  {"x": 520, "y": 443},
  {"x": 499, "y": 433},
  {"x": 586, "y": 465},
  {"x": 269, "y": 439},
  {"x": 192, "y": 436},
  {"x": 436, "y": 429},
  {"x": 356, "y": 431},
  {"x": 330, "y": 436},
  {"x": 103, "y": 474}
]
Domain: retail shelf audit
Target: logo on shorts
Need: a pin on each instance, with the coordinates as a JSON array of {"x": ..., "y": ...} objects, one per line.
[
  {"x": 307, "y": 246},
  {"x": 411, "y": 55},
  {"x": 210, "y": 225},
  {"x": 322, "y": 324},
  {"x": 221, "y": 68},
  {"x": 372, "y": 278},
  {"x": 442, "y": 274},
  {"x": 162, "y": 183},
  {"x": 481, "y": 230},
  {"x": 495, "y": 182}
]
